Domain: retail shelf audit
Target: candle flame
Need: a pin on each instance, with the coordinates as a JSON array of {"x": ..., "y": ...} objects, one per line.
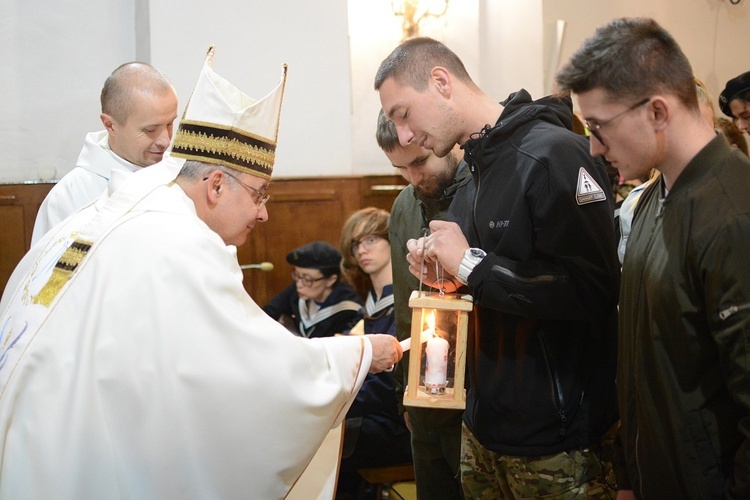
[{"x": 431, "y": 321}]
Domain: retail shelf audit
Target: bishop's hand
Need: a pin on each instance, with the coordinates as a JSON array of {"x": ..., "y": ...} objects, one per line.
[{"x": 386, "y": 351}]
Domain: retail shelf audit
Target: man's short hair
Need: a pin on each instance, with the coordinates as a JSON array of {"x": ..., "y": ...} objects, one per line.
[
  {"x": 412, "y": 61},
  {"x": 386, "y": 134},
  {"x": 194, "y": 171},
  {"x": 630, "y": 58},
  {"x": 128, "y": 80}
]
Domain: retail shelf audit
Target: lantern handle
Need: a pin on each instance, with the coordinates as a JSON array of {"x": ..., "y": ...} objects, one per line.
[
  {"x": 421, "y": 267},
  {"x": 440, "y": 277}
]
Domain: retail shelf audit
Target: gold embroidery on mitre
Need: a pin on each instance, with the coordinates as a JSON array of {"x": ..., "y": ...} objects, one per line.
[
  {"x": 229, "y": 128},
  {"x": 63, "y": 270},
  {"x": 247, "y": 153}
]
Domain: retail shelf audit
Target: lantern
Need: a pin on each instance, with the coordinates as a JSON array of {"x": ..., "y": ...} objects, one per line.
[{"x": 437, "y": 361}]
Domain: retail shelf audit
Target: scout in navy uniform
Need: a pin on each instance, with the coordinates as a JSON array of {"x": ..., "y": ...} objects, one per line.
[
  {"x": 318, "y": 303},
  {"x": 734, "y": 101}
]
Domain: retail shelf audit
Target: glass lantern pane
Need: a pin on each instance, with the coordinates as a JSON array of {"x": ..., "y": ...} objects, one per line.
[{"x": 438, "y": 363}]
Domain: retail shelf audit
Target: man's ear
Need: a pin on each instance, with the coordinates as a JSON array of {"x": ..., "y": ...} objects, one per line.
[
  {"x": 214, "y": 187},
  {"x": 659, "y": 112},
  {"x": 107, "y": 121},
  {"x": 442, "y": 80}
]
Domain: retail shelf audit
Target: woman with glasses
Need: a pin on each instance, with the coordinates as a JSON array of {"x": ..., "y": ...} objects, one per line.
[
  {"x": 376, "y": 435},
  {"x": 318, "y": 303}
]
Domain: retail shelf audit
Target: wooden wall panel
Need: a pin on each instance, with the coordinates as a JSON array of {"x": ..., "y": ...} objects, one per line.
[
  {"x": 300, "y": 210},
  {"x": 12, "y": 249},
  {"x": 381, "y": 191},
  {"x": 19, "y": 204}
]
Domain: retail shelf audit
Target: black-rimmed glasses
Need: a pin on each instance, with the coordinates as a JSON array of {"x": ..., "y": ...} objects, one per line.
[
  {"x": 595, "y": 128},
  {"x": 306, "y": 280}
]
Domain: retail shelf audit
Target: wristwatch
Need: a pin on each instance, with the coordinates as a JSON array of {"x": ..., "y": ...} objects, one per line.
[{"x": 472, "y": 257}]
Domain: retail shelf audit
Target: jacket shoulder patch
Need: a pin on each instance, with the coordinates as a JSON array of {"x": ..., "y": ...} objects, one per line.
[{"x": 587, "y": 190}]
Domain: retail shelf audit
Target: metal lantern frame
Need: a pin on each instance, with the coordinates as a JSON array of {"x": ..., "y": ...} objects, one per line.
[{"x": 451, "y": 310}]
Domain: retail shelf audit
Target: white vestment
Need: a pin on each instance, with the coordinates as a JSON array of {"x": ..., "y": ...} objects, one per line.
[
  {"x": 152, "y": 373},
  {"x": 81, "y": 185}
]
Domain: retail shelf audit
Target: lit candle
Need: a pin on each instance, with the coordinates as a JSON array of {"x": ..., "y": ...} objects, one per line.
[{"x": 436, "y": 368}]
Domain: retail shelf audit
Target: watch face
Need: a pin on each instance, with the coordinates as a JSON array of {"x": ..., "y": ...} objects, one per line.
[{"x": 476, "y": 252}]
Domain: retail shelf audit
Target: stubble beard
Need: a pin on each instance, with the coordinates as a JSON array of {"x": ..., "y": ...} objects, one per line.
[
  {"x": 449, "y": 129},
  {"x": 443, "y": 179}
]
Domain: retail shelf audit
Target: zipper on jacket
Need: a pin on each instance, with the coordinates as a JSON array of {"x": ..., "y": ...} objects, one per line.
[
  {"x": 478, "y": 183},
  {"x": 473, "y": 163},
  {"x": 557, "y": 386},
  {"x": 637, "y": 462},
  {"x": 729, "y": 311}
]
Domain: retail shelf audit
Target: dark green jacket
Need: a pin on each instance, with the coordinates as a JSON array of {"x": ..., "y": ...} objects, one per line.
[
  {"x": 684, "y": 341},
  {"x": 410, "y": 216}
]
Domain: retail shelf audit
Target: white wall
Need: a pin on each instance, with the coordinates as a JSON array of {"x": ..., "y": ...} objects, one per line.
[
  {"x": 56, "y": 56},
  {"x": 502, "y": 53},
  {"x": 253, "y": 39},
  {"x": 511, "y": 47},
  {"x": 714, "y": 34},
  {"x": 374, "y": 31},
  {"x": 54, "y": 62}
]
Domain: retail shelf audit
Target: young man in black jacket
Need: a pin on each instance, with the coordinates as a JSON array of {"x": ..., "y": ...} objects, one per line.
[{"x": 538, "y": 255}]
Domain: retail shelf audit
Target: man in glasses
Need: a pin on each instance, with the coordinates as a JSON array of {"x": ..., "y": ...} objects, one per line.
[
  {"x": 317, "y": 303},
  {"x": 683, "y": 357},
  {"x": 133, "y": 364},
  {"x": 537, "y": 254}
]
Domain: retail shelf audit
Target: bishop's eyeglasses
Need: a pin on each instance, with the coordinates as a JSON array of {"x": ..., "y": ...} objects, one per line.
[{"x": 259, "y": 198}]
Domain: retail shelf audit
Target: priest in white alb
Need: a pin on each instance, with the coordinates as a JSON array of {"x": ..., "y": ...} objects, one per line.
[{"x": 133, "y": 364}]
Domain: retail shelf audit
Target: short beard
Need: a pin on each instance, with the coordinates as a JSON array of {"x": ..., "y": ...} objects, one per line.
[{"x": 443, "y": 180}]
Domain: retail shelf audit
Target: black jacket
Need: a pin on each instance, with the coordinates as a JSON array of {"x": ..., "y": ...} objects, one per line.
[
  {"x": 337, "y": 314},
  {"x": 542, "y": 360}
]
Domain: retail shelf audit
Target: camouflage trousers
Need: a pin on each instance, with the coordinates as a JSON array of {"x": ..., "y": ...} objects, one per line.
[{"x": 576, "y": 474}]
